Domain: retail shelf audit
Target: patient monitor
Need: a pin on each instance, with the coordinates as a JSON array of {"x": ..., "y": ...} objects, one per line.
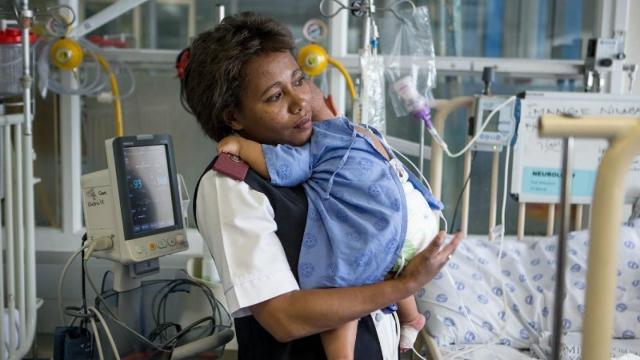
[
  {"x": 135, "y": 202},
  {"x": 501, "y": 127}
]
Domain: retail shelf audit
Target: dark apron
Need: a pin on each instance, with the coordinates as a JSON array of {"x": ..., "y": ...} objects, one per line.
[{"x": 254, "y": 342}]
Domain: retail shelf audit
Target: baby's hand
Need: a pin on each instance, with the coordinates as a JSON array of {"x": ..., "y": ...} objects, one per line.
[
  {"x": 230, "y": 145},
  {"x": 319, "y": 108}
]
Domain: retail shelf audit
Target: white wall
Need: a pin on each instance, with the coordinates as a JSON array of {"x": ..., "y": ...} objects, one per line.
[{"x": 632, "y": 45}]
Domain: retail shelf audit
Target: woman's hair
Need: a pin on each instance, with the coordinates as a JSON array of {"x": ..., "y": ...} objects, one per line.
[{"x": 214, "y": 73}]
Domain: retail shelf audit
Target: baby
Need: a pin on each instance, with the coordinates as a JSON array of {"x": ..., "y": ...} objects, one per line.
[{"x": 367, "y": 215}]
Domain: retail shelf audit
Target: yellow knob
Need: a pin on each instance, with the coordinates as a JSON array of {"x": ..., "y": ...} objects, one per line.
[
  {"x": 66, "y": 54},
  {"x": 313, "y": 59}
]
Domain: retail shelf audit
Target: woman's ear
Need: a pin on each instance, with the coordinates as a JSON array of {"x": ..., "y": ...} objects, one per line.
[{"x": 230, "y": 118}]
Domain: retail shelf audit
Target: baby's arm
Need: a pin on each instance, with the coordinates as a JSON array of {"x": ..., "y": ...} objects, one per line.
[{"x": 248, "y": 150}]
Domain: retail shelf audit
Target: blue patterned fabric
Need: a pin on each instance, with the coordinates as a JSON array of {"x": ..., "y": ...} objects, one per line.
[
  {"x": 526, "y": 276},
  {"x": 356, "y": 221}
]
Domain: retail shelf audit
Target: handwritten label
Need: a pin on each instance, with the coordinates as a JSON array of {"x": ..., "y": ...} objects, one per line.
[
  {"x": 95, "y": 197},
  {"x": 538, "y": 160}
]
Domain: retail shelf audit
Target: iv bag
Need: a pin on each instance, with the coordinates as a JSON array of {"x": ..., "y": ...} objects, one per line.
[
  {"x": 411, "y": 68},
  {"x": 372, "y": 97}
]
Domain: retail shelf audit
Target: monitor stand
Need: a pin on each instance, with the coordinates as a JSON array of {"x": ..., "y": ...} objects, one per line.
[{"x": 128, "y": 277}]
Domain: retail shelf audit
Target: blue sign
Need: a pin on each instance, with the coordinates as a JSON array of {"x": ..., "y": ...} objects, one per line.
[{"x": 547, "y": 182}]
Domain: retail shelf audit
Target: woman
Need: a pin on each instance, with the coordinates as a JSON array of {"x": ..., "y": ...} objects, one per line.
[{"x": 242, "y": 77}]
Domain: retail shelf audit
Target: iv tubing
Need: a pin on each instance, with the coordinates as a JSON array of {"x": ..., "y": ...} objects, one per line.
[
  {"x": 475, "y": 138},
  {"x": 115, "y": 91}
]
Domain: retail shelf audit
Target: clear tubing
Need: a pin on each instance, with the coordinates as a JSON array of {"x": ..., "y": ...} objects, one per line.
[
  {"x": 87, "y": 88},
  {"x": 444, "y": 109},
  {"x": 127, "y": 70},
  {"x": 96, "y": 85},
  {"x": 502, "y": 232},
  {"x": 445, "y": 148}
]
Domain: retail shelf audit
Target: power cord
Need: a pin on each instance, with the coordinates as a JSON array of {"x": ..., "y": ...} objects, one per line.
[{"x": 84, "y": 290}]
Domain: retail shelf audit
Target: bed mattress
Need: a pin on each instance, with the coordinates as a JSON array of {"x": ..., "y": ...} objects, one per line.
[{"x": 526, "y": 278}]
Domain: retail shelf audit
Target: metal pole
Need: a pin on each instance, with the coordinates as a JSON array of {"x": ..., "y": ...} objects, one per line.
[
  {"x": 152, "y": 25},
  {"x": 8, "y": 223},
  {"x": 493, "y": 196},
  {"x": 565, "y": 220},
  {"x": 219, "y": 13},
  {"x": 522, "y": 211},
  {"x": 464, "y": 210},
  {"x": 551, "y": 219}
]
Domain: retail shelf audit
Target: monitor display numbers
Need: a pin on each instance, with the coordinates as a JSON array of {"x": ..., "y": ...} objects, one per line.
[{"x": 148, "y": 188}]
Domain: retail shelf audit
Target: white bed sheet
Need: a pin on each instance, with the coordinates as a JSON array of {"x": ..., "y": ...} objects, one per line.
[
  {"x": 528, "y": 269},
  {"x": 571, "y": 350}
]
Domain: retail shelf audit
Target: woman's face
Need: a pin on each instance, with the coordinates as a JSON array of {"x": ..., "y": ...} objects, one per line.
[{"x": 275, "y": 102}]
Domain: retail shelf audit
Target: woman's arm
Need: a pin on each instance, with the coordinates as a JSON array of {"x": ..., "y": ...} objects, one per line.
[
  {"x": 248, "y": 150},
  {"x": 305, "y": 312},
  {"x": 238, "y": 225}
]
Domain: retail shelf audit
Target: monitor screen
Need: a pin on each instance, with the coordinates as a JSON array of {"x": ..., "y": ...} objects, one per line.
[
  {"x": 495, "y": 121},
  {"x": 148, "y": 188}
]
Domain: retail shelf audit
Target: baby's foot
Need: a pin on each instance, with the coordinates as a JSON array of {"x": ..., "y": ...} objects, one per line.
[{"x": 409, "y": 332}]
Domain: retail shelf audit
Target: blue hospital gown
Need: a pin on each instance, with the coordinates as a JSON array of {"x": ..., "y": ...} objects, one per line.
[{"x": 357, "y": 214}]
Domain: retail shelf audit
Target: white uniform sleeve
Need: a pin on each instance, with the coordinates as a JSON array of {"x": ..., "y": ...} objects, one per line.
[{"x": 237, "y": 224}]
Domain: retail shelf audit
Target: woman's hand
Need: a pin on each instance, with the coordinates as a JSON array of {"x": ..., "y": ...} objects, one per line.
[
  {"x": 231, "y": 144},
  {"x": 301, "y": 313},
  {"x": 427, "y": 263}
]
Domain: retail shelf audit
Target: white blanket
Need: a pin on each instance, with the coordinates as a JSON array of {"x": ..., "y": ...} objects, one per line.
[{"x": 528, "y": 279}]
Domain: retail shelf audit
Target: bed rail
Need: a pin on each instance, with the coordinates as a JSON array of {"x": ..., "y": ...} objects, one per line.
[
  {"x": 444, "y": 109},
  {"x": 608, "y": 199}
]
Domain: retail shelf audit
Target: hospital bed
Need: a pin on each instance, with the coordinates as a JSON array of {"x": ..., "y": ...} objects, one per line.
[{"x": 467, "y": 314}]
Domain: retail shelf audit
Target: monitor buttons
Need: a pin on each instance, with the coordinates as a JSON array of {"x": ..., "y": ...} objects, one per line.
[
  {"x": 172, "y": 242},
  {"x": 152, "y": 246},
  {"x": 162, "y": 244},
  {"x": 180, "y": 239}
]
